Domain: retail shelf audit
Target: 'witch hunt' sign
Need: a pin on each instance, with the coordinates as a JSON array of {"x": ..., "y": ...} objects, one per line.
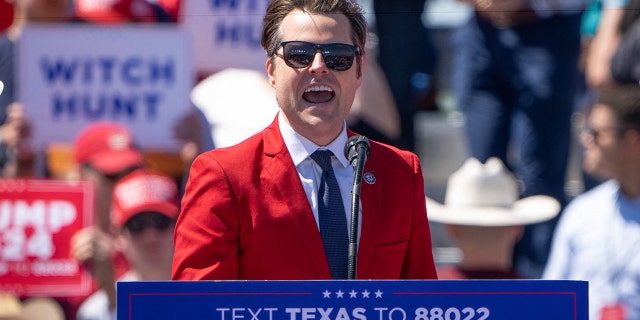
[
  {"x": 226, "y": 33},
  {"x": 74, "y": 74}
]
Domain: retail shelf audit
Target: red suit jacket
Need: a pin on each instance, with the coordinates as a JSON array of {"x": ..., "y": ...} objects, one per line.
[{"x": 245, "y": 216}]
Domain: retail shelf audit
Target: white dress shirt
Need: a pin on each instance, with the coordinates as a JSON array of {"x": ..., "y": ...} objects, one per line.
[
  {"x": 310, "y": 172},
  {"x": 598, "y": 239}
]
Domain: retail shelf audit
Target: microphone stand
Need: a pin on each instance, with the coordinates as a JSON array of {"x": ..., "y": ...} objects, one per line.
[{"x": 355, "y": 209}]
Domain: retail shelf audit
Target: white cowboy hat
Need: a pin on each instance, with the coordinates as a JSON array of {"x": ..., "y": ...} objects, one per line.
[{"x": 487, "y": 195}]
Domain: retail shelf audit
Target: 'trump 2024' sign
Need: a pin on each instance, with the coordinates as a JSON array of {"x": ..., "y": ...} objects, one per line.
[{"x": 37, "y": 220}]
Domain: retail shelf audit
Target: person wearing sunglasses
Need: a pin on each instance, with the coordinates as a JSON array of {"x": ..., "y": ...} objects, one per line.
[
  {"x": 144, "y": 211},
  {"x": 253, "y": 211},
  {"x": 514, "y": 78},
  {"x": 597, "y": 238}
]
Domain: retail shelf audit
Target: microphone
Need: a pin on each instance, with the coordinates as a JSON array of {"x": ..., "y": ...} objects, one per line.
[
  {"x": 357, "y": 147},
  {"x": 356, "y": 150}
]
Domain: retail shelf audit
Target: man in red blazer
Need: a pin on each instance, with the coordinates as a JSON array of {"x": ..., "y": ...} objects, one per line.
[{"x": 250, "y": 211}]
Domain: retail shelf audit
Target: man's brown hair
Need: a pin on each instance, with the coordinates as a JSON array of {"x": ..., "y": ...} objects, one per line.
[{"x": 278, "y": 9}]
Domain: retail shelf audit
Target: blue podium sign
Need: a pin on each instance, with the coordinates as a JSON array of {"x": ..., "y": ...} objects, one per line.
[{"x": 354, "y": 300}]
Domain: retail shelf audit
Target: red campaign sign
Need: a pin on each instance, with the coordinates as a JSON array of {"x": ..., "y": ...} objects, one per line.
[{"x": 37, "y": 220}]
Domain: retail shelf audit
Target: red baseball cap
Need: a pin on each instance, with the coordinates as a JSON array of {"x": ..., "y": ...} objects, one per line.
[
  {"x": 115, "y": 11},
  {"x": 141, "y": 191},
  {"x": 107, "y": 147}
]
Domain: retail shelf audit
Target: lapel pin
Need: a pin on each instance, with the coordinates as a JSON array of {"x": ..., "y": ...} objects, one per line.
[{"x": 369, "y": 178}]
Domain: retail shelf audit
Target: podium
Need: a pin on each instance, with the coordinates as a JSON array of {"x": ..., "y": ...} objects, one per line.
[{"x": 354, "y": 300}]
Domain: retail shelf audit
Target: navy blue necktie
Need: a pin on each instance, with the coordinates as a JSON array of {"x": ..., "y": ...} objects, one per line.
[{"x": 333, "y": 221}]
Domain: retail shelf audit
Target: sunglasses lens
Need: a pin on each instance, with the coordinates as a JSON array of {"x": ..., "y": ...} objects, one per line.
[
  {"x": 140, "y": 222},
  {"x": 160, "y": 221},
  {"x": 300, "y": 54},
  {"x": 338, "y": 57},
  {"x": 136, "y": 224}
]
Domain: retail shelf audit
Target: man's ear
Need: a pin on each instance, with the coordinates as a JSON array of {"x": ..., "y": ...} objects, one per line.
[{"x": 270, "y": 72}]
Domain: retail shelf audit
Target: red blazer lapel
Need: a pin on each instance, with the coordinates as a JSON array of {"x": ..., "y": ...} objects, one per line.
[{"x": 285, "y": 177}]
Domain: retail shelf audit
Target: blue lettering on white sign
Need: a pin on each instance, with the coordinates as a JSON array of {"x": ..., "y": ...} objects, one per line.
[
  {"x": 115, "y": 106},
  {"x": 131, "y": 71},
  {"x": 249, "y": 5},
  {"x": 238, "y": 33},
  {"x": 159, "y": 71},
  {"x": 233, "y": 4},
  {"x": 237, "y": 23},
  {"x": 53, "y": 71}
]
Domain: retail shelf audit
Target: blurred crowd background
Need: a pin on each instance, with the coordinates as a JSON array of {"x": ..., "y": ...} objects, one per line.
[{"x": 424, "y": 74}]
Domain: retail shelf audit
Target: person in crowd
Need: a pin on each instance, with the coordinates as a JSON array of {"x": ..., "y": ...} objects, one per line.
[
  {"x": 374, "y": 112},
  {"x": 484, "y": 218},
  {"x": 104, "y": 152},
  {"x": 10, "y": 135},
  {"x": 601, "y": 40},
  {"x": 408, "y": 62},
  {"x": 514, "y": 74},
  {"x": 625, "y": 63},
  {"x": 598, "y": 234},
  {"x": 145, "y": 206},
  {"x": 600, "y": 29},
  {"x": 275, "y": 205},
  {"x": 190, "y": 129},
  {"x": 12, "y": 306},
  {"x": 29, "y": 308},
  {"x": 24, "y": 12},
  {"x": 14, "y": 127}
]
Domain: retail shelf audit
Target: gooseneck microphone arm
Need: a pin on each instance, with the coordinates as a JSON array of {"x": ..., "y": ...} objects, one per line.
[{"x": 356, "y": 150}]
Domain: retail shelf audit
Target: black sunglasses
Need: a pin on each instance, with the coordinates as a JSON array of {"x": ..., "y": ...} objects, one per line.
[
  {"x": 141, "y": 221},
  {"x": 300, "y": 54}
]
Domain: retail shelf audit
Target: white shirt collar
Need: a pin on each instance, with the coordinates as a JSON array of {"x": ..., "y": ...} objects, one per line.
[{"x": 300, "y": 147}]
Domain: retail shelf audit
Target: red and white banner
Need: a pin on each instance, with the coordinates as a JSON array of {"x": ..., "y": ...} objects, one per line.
[{"x": 37, "y": 220}]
